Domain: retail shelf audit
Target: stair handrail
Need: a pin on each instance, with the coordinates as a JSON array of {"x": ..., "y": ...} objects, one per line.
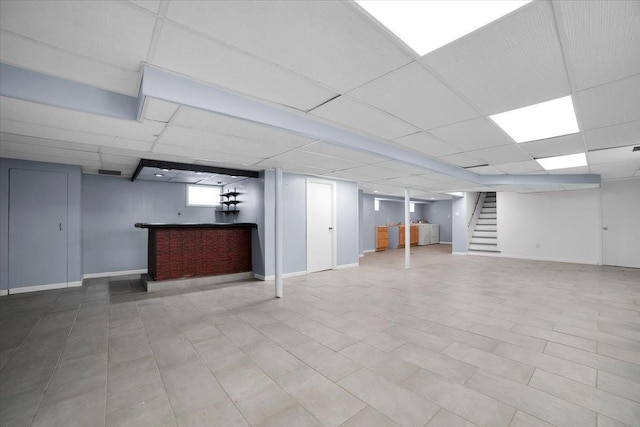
[
  {"x": 475, "y": 216},
  {"x": 475, "y": 207}
]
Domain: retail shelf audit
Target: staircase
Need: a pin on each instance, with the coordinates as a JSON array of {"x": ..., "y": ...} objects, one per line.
[{"x": 485, "y": 234}]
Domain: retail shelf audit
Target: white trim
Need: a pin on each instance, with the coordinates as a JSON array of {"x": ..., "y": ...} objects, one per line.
[
  {"x": 366, "y": 251},
  {"x": 4, "y": 292},
  {"x": 25, "y": 289},
  {"x": 445, "y": 243},
  {"x": 458, "y": 253},
  {"x": 74, "y": 284},
  {"x": 114, "y": 273},
  {"x": 355, "y": 264},
  {"x": 284, "y": 276}
]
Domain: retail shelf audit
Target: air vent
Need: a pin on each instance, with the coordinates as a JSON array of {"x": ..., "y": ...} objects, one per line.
[
  {"x": 636, "y": 148},
  {"x": 109, "y": 172}
]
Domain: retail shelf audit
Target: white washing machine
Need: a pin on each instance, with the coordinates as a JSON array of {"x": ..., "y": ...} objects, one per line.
[
  {"x": 435, "y": 233},
  {"x": 424, "y": 234}
]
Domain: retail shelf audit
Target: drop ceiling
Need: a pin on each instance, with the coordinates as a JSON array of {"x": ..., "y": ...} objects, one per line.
[{"x": 333, "y": 63}]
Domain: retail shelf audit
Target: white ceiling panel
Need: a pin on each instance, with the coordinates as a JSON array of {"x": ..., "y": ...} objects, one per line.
[
  {"x": 610, "y": 104},
  {"x": 416, "y": 96},
  {"x": 328, "y": 149},
  {"x": 614, "y": 171},
  {"x": 216, "y": 157},
  {"x": 354, "y": 115},
  {"x": 473, "y": 134},
  {"x": 438, "y": 177},
  {"x": 511, "y": 63},
  {"x": 603, "y": 39},
  {"x": 39, "y": 157},
  {"x": 145, "y": 155},
  {"x": 497, "y": 155},
  {"x": 463, "y": 160},
  {"x": 426, "y": 143},
  {"x": 45, "y": 115},
  {"x": 159, "y": 110},
  {"x": 217, "y": 64},
  {"x": 520, "y": 167},
  {"x": 486, "y": 170},
  {"x": 200, "y": 139},
  {"x": 121, "y": 162},
  {"x": 46, "y": 132},
  {"x": 570, "y": 171},
  {"x": 609, "y": 155},
  {"x": 613, "y": 136},
  {"x": 150, "y": 5},
  {"x": 375, "y": 171},
  {"x": 326, "y": 41},
  {"x": 350, "y": 176},
  {"x": 109, "y": 31},
  {"x": 610, "y": 168},
  {"x": 569, "y": 144},
  {"x": 411, "y": 181},
  {"x": 16, "y": 147},
  {"x": 23, "y": 139},
  {"x": 205, "y": 120},
  {"x": 305, "y": 158},
  {"x": 403, "y": 167},
  {"x": 40, "y": 57}
]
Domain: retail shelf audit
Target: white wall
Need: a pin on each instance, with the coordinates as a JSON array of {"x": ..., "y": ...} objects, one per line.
[{"x": 560, "y": 226}]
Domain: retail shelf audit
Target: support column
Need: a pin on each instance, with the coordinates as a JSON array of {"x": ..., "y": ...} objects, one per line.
[
  {"x": 278, "y": 239},
  {"x": 407, "y": 229}
]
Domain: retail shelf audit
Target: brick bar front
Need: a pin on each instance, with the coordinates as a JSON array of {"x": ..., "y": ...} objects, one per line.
[{"x": 178, "y": 251}]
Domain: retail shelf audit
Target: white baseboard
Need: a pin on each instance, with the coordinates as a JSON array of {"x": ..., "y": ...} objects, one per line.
[
  {"x": 340, "y": 267},
  {"x": 361, "y": 255},
  {"x": 458, "y": 253},
  {"x": 114, "y": 273},
  {"x": 284, "y": 276},
  {"x": 4, "y": 292},
  {"x": 445, "y": 243},
  {"x": 369, "y": 251},
  {"x": 74, "y": 284},
  {"x": 530, "y": 258},
  {"x": 37, "y": 288}
]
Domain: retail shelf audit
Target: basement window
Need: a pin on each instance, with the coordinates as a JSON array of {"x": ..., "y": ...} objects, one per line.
[
  {"x": 412, "y": 207},
  {"x": 376, "y": 205},
  {"x": 203, "y": 195}
]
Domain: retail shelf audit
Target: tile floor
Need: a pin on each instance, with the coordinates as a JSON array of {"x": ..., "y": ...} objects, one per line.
[{"x": 454, "y": 341}]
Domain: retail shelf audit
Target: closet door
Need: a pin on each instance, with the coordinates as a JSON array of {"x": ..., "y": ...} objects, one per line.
[{"x": 37, "y": 230}]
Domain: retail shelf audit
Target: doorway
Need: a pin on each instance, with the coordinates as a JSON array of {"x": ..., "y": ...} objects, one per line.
[
  {"x": 321, "y": 230},
  {"x": 37, "y": 230},
  {"x": 620, "y": 225}
]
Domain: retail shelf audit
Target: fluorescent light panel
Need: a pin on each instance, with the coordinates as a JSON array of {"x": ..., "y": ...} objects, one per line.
[
  {"x": 563, "y": 162},
  {"x": 539, "y": 121},
  {"x": 427, "y": 25}
]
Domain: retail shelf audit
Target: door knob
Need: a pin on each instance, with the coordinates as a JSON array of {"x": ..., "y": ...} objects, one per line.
[
  {"x": 60, "y": 226},
  {"x": 330, "y": 228},
  {"x": 605, "y": 228}
]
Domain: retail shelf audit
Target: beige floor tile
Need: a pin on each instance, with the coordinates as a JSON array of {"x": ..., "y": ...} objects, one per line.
[
  {"x": 510, "y": 337},
  {"x": 600, "y": 401},
  {"x": 86, "y": 409},
  {"x": 614, "y": 366},
  {"x": 155, "y": 412},
  {"x": 599, "y": 336},
  {"x": 74, "y": 377},
  {"x": 522, "y": 419},
  {"x": 383, "y": 342},
  {"x": 463, "y": 337},
  {"x": 608, "y": 422},
  {"x": 619, "y": 386},
  {"x": 399, "y": 404},
  {"x": 191, "y": 387},
  {"x": 326, "y": 361},
  {"x": 240, "y": 333},
  {"x": 429, "y": 341},
  {"x": 490, "y": 362},
  {"x": 273, "y": 360},
  {"x": 442, "y": 365},
  {"x": 383, "y": 364},
  {"x": 20, "y": 409},
  {"x": 129, "y": 347},
  {"x": 548, "y": 408},
  {"x": 222, "y": 414},
  {"x": 616, "y": 352},
  {"x": 132, "y": 382},
  {"x": 462, "y": 401},
  {"x": 369, "y": 417},
  {"x": 445, "y": 418},
  {"x": 285, "y": 336},
  {"x": 295, "y": 415},
  {"x": 172, "y": 350},
  {"x": 570, "y": 340}
]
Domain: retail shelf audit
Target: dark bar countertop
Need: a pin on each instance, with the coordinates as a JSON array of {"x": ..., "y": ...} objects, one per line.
[{"x": 195, "y": 225}]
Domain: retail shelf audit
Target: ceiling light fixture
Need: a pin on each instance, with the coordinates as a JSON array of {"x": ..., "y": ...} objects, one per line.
[
  {"x": 165, "y": 170},
  {"x": 427, "y": 25},
  {"x": 563, "y": 162},
  {"x": 158, "y": 174},
  {"x": 539, "y": 121}
]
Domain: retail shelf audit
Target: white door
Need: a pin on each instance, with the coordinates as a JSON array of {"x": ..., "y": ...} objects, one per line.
[
  {"x": 621, "y": 223},
  {"x": 320, "y": 227}
]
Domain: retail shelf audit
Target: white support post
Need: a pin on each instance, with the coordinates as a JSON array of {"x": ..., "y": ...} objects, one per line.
[
  {"x": 279, "y": 231},
  {"x": 407, "y": 229}
]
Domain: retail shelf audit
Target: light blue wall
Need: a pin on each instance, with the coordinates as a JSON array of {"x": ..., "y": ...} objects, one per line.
[
  {"x": 440, "y": 213},
  {"x": 112, "y": 205},
  {"x": 347, "y": 223},
  {"x": 294, "y": 239},
  {"x": 74, "y": 219},
  {"x": 368, "y": 224},
  {"x": 459, "y": 225}
]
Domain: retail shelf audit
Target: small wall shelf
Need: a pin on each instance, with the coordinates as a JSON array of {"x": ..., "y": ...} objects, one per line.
[{"x": 230, "y": 201}]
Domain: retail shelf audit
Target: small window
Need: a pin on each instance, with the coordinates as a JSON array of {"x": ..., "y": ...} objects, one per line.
[
  {"x": 412, "y": 207},
  {"x": 203, "y": 195},
  {"x": 376, "y": 205}
]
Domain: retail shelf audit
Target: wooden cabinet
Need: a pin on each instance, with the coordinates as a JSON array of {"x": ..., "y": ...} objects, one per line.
[
  {"x": 413, "y": 236},
  {"x": 382, "y": 238}
]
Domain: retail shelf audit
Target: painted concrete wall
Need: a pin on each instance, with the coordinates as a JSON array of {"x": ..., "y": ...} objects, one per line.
[
  {"x": 74, "y": 219},
  {"x": 557, "y": 226},
  {"x": 440, "y": 213},
  {"x": 459, "y": 225},
  {"x": 347, "y": 223}
]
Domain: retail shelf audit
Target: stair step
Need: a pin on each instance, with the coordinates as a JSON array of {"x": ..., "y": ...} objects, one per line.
[
  {"x": 488, "y": 210},
  {"x": 488, "y": 215},
  {"x": 487, "y": 221},
  {"x": 484, "y": 240},
  {"x": 483, "y": 248},
  {"x": 489, "y": 204},
  {"x": 486, "y": 227},
  {"x": 487, "y": 233}
]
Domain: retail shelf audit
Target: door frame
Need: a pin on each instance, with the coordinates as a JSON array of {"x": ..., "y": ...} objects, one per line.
[{"x": 334, "y": 240}]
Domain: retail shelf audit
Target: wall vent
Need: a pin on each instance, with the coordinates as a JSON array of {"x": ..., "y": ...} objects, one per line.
[{"x": 109, "y": 172}]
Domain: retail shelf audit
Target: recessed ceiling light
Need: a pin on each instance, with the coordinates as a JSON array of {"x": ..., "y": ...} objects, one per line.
[
  {"x": 165, "y": 170},
  {"x": 427, "y": 25},
  {"x": 158, "y": 174},
  {"x": 539, "y": 121},
  {"x": 233, "y": 176},
  {"x": 199, "y": 173},
  {"x": 563, "y": 162},
  {"x": 375, "y": 191}
]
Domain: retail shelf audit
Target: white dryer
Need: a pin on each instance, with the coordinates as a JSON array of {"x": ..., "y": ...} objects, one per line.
[
  {"x": 435, "y": 233},
  {"x": 424, "y": 234}
]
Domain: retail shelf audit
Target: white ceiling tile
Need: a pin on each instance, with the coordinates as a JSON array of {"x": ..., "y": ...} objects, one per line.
[
  {"x": 123, "y": 162},
  {"x": 426, "y": 143},
  {"x": 42, "y": 157},
  {"x": 40, "y": 57},
  {"x": 150, "y": 5},
  {"x": 486, "y": 170},
  {"x": 473, "y": 134},
  {"x": 613, "y": 136},
  {"x": 438, "y": 177},
  {"x": 610, "y": 104},
  {"x": 327, "y": 41},
  {"x": 612, "y": 167},
  {"x": 607, "y": 176},
  {"x": 375, "y": 171},
  {"x": 145, "y": 155},
  {"x": 416, "y": 96},
  {"x": 609, "y": 155},
  {"x": 354, "y": 115},
  {"x": 412, "y": 181},
  {"x": 603, "y": 39},
  {"x": 46, "y": 115},
  {"x": 497, "y": 155},
  {"x": 574, "y": 187},
  {"x": 215, "y": 63},
  {"x": 350, "y": 176},
  {"x": 403, "y": 167},
  {"x": 212, "y": 122},
  {"x": 109, "y": 31},
  {"x": 23, "y": 139},
  {"x": 568, "y": 144},
  {"x": 49, "y": 151},
  {"x": 159, "y": 110},
  {"x": 463, "y": 160},
  {"x": 328, "y": 149},
  {"x": 511, "y": 63},
  {"x": 298, "y": 157},
  {"x": 520, "y": 167},
  {"x": 216, "y": 157}
]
